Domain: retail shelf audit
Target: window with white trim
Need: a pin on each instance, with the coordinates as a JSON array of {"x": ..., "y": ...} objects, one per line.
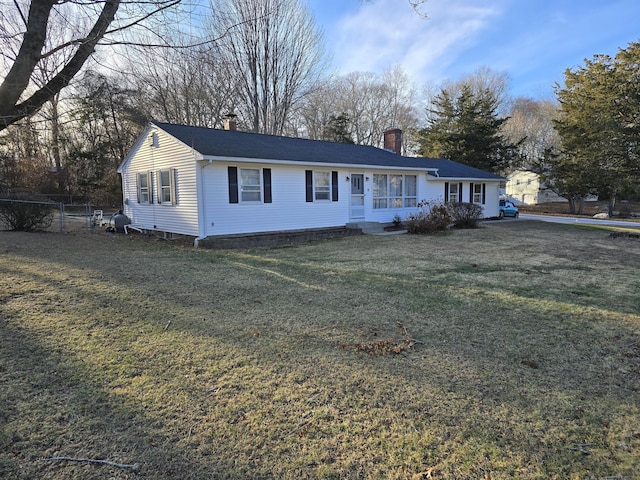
[
  {"x": 394, "y": 191},
  {"x": 144, "y": 187},
  {"x": 167, "y": 186},
  {"x": 454, "y": 192},
  {"x": 250, "y": 186},
  {"x": 380, "y": 190},
  {"x": 410, "y": 191},
  {"x": 322, "y": 185},
  {"x": 477, "y": 192}
]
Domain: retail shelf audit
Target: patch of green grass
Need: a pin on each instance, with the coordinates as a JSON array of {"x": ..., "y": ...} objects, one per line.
[{"x": 525, "y": 362}]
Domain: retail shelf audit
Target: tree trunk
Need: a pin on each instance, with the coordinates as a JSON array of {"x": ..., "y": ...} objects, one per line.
[
  {"x": 55, "y": 145},
  {"x": 612, "y": 202},
  {"x": 17, "y": 80}
]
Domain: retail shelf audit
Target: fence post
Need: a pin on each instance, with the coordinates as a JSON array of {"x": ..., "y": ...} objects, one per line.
[{"x": 61, "y": 217}]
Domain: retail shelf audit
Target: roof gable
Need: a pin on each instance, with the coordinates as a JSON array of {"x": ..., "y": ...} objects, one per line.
[{"x": 235, "y": 144}]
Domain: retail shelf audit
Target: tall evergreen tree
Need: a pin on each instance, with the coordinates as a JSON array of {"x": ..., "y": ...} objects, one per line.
[
  {"x": 465, "y": 127},
  {"x": 599, "y": 124},
  {"x": 337, "y": 129}
]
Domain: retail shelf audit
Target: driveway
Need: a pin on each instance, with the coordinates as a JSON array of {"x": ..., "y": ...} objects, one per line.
[{"x": 581, "y": 220}]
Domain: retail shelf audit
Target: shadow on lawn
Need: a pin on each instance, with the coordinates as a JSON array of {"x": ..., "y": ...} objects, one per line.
[
  {"x": 52, "y": 406},
  {"x": 468, "y": 365}
]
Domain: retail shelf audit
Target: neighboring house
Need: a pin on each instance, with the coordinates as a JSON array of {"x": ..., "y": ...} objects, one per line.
[
  {"x": 525, "y": 188},
  {"x": 206, "y": 182}
]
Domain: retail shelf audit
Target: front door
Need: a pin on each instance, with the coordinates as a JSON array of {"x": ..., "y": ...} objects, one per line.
[{"x": 357, "y": 196}]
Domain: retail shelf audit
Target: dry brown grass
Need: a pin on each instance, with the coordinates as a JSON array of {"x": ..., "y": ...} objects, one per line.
[{"x": 280, "y": 363}]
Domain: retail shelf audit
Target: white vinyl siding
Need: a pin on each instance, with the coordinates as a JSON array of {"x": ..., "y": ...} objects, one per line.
[
  {"x": 288, "y": 209},
  {"x": 148, "y": 161}
]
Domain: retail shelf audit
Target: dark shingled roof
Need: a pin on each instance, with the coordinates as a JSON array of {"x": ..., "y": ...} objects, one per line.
[{"x": 235, "y": 144}]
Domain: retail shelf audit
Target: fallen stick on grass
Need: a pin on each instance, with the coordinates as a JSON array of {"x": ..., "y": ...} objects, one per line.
[{"x": 92, "y": 460}]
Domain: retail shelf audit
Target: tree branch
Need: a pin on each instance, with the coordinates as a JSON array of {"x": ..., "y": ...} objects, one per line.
[
  {"x": 9, "y": 111},
  {"x": 28, "y": 56},
  {"x": 17, "y": 80},
  {"x": 133, "y": 466}
]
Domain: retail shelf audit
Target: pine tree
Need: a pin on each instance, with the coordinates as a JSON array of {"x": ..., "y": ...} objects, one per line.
[
  {"x": 465, "y": 127},
  {"x": 599, "y": 125}
]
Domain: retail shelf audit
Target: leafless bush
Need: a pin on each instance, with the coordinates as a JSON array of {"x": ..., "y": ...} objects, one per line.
[
  {"x": 429, "y": 219},
  {"x": 464, "y": 215}
]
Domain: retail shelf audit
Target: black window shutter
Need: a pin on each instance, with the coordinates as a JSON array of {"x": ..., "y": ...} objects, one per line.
[
  {"x": 150, "y": 184},
  {"x": 266, "y": 176},
  {"x": 460, "y": 192},
  {"x": 334, "y": 186},
  {"x": 308, "y": 174},
  {"x": 471, "y": 193},
  {"x": 484, "y": 193},
  {"x": 233, "y": 184},
  {"x": 446, "y": 192}
]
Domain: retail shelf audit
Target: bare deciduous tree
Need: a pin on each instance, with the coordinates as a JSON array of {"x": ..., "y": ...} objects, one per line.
[
  {"x": 25, "y": 36},
  {"x": 371, "y": 102},
  {"x": 530, "y": 125},
  {"x": 271, "y": 51},
  {"x": 484, "y": 81},
  {"x": 183, "y": 86}
]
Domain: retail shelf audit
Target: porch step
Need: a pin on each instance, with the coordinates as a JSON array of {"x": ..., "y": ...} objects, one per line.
[{"x": 368, "y": 228}]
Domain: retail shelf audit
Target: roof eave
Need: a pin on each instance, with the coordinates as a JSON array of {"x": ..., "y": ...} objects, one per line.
[{"x": 272, "y": 161}]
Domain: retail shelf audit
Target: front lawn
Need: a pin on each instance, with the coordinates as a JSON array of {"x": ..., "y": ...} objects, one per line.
[{"x": 508, "y": 351}]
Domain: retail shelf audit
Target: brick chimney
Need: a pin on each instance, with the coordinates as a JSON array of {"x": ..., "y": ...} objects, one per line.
[
  {"x": 230, "y": 122},
  {"x": 393, "y": 140}
]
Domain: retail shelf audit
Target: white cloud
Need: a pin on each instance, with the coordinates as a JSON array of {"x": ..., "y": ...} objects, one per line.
[
  {"x": 384, "y": 33},
  {"x": 532, "y": 41}
]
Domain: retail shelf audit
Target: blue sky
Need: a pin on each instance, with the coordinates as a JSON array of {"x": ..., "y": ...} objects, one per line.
[{"x": 534, "y": 41}]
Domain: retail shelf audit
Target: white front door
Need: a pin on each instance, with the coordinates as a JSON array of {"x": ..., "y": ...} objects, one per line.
[{"x": 357, "y": 196}]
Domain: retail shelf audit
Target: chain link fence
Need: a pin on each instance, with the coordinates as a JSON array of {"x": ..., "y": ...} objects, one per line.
[{"x": 60, "y": 216}]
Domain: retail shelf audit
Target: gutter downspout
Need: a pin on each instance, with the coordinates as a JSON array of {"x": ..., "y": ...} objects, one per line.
[{"x": 202, "y": 207}]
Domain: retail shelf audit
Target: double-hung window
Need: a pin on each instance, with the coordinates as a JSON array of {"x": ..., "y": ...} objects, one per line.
[
  {"x": 249, "y": 185},
  {"x": 167, "y": 186},
  {"x": 250, "y": 188},
  {"x": 144, "y": 187},
  {"x": 454, "y": 192},
  {"x": 321, "y": 185},
  {"x": 394, "y": 191},
  {"x": 477, "y": 193}
]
